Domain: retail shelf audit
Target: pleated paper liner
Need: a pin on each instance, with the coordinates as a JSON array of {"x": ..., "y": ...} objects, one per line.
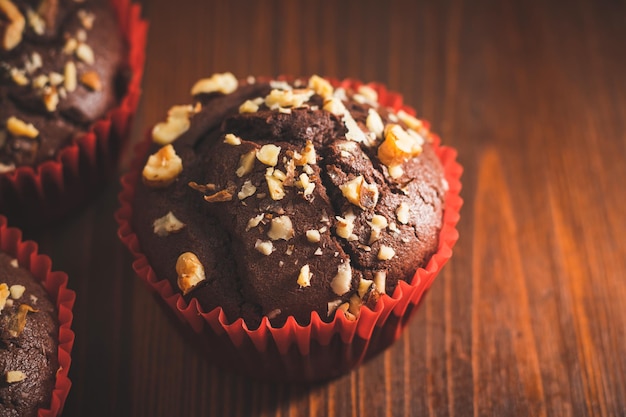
[
  {"x": 320, "y": 350},
  {"x": 55, "y": 283},
  {"x": 35, "y": 196}
]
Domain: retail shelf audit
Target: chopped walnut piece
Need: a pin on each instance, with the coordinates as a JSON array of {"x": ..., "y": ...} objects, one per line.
[
  {"x": 222, "y": 195},
  {"x": 19, "y": 77},
  {"x": 305, "y": 183},
  {"x": 380, "y": 278},
  {"x": 364, "y": 287},
  {"x": 254, "y": 222},
  {"x": 35, "y": 22},
  {"x": 86, "y": 18},
  {"x": 71, "y": 78},
  {"x": 313, "y": 236},
  {"x": 268, "y": 154},
  {"x": 4, "y": 295},
  {"x": 167, "y": 224},
  {"x": 274, "y": 184},
  {"x": 55, "y": 78},
  {"x": 247, "y": 189},
  {"x": 13, "y": 31},
  {"x": 176, "y": 124},
  {"x": 321, "y": 86},
  {"x": 304, "y": 277},
  {"x": 307, "y": 155},
  {"x": 378, "y": 224},
  {"x": 354, "y": 307},
  {"x": 402, "y": 213},
  {"x": 85, "y": 53},
  {"x": 278, "y": 99},
  {"x": 341, "y": 282},
  {"x": 190, "y": 272},
  {"x": 203, "y": 188},
  {"x": 345, "y": 307},
  {"x": 397, "y": 148},
  {"x": 374, "y": 123},
  {"x": 162, "y": 168},
  {"x": 248, "y": 106},
  {"x": 18, "y": 321},
  {"x": 411, "y": 121},
  {"x": 369, "y": 93},
  {"x": 18, "y": 127},
  {"x": 91, "y": 80},
  {"x": 17, "y": 291},
  {"x": 345, "y": 226},
  {"x": 224, "y": 83},
  {"x": 50, "y": 98},
  {"x": 71, "y": 44},
  {"x": 358, "y": 192},
  {"x": 14, "y": 263},
  {"x": 246, "y": 163},
  {"x": 231, "y": 139},
  {"x": 385, "y": 253},
  {"x": 15, "y": 376},
  {"x": 281, "y": 228},
  {"x": 265, "y": 247},
  {"x": 332, "y": 306}
]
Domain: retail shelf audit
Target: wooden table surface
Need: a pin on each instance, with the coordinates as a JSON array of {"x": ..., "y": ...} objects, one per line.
[{"x": 528, "y": 318}]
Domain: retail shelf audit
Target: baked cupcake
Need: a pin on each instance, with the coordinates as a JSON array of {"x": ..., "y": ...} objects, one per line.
[
  {"x": 283, "y": 213},
  {"x": 69, "y": 83},
  {"x": 35, "y": 335}
]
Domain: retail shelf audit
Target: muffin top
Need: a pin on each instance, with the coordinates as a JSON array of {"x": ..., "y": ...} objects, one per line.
[
  {"x": 274, "y": 198},
  {"x": 62, "y": 67},
  {"x": 28, "y": 342}
]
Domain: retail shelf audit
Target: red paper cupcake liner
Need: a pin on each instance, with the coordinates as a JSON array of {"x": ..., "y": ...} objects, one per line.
[
  {"x": 55, "y": 283},
  {"x": 320, "y": 350},
  {"x": 33, "y": 196}
]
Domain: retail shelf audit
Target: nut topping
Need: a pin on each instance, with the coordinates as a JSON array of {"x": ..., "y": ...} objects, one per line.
[
  {"x": 15, "y": 28},
  {"x": 15, "y": 376},
  {"x": 162, "y": 168},
  {"x": 265, "y": 247},
  {"x": 17, "y": 291},
  {"x": 380, "y": 278},
  {"x": 321, "y": 86},
  {"x": 225, "y": 83},
  {"x": 70, "y": 76},
  {"x": 274, "y": 184},
  {"x": 18, "y": 127},
  {"x": 4, "y": 295},
  {"x": 167, "y": 224},
  {"x": 402, "y": 213},
  {"x": 374, "y": 123},
  {"x": 397, "y": 148},
  {"x": 91, "y": 80},
  {"x": 341, "y": 282},
  {"x": 385, "y": 253},
  {"x": 247, "y": 189},
  {"x": 18, "y": 321},
  {"x": 231, "y": 139},
  {"x": 360, "y": 193},
  {"x": 85, "y": 53},
  {"x": 281, "y": 228},
  {"x": 313, "y": 236},
  {"x": 246, "y": 164},
  {"x": 190, "y": 272},
  {"x": 268, "y": 154},
  {"x": 177, "y": 123},
  {"x": 304, "y": 278}
]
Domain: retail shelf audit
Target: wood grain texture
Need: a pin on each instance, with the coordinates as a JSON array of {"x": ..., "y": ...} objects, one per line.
[{"x": 527, "y": 319}]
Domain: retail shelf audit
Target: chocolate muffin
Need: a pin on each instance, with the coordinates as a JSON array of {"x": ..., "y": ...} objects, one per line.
[
  {"x": 28, "y": 342},
  {"x": 275, "y": 199},
  {"x": 62, "y": 66}
]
